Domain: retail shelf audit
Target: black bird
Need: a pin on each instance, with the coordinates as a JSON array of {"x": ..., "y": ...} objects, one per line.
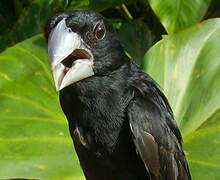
[{"x": 121, "y": 123}]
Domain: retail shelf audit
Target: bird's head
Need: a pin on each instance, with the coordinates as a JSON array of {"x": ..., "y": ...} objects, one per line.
[{"x": 81, "y": 44}]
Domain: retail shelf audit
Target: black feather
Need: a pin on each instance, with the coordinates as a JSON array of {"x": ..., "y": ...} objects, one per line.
[{"x": 121, "y": 123}]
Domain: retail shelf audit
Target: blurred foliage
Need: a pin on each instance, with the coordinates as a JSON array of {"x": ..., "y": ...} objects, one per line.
[
  {"x": 21, "y": 19},
  {"x": 28, "y": 19},
  {"x": 24, "y": 18},
  {"x": 34, "y": 137}
]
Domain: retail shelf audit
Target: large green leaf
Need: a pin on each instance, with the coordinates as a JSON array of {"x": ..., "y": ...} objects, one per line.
[
  {"x": 176, "y": 15},
  {"x": 34, "y": 137},
  {"x": 187, "y": 66}
]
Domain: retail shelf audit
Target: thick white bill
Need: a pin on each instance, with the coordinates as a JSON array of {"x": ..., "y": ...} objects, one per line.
[{"x": 61, "y": 43}]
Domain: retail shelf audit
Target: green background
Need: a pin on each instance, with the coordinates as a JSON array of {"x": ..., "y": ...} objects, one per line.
[{"x": 176, "y": 42}]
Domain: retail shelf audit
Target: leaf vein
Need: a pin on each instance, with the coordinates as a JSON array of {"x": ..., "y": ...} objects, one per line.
[
  {"x": 34, "y": 103},
  {"x": 205, "y": 163}
]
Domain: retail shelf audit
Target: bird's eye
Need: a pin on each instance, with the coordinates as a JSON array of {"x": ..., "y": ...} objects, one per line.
[{"x": 100, "y": 31}]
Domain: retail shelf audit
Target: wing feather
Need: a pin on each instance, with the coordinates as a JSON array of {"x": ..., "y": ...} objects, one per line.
[{"x": 156, "y": 135}]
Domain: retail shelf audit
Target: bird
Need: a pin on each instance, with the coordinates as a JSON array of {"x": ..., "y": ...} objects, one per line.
[{"x": 121, "y": 123}]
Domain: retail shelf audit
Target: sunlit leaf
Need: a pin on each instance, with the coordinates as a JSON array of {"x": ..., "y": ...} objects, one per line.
[
  {"x": 34, "y": 136},
  {"x": 187, "y": 66},
  {"x": 176, "y": 15}
]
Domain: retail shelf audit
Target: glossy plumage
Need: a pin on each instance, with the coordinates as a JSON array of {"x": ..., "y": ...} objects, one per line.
[{"x": 121, "y": 123}]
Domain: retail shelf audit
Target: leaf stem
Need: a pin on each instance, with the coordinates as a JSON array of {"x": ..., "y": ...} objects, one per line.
[{"x": 127, "y": 12}]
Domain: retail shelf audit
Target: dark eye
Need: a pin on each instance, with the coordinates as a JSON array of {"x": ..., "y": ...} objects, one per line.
[{"x": 100, "y": 31}]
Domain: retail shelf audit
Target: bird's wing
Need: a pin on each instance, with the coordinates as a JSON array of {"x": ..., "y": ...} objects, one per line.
[{"x": 156, "y": 136}]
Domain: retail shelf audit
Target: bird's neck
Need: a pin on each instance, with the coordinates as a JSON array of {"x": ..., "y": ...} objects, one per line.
[
  {"x": 98, "y": 103},
  {"x": 107, "y": 83},
  {"x": 110, "y": 90}
]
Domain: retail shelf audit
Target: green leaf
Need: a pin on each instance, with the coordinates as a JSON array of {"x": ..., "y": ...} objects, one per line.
[
  {"x": 203, "y": 150},
  {"x": 179, "y": 14},
  {"x": 187, "y": 66},
  {"x": 34, "y": 136}
]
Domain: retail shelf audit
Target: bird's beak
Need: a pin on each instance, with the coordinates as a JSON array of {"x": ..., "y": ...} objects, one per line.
[{"x": 71, "y": 61}]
